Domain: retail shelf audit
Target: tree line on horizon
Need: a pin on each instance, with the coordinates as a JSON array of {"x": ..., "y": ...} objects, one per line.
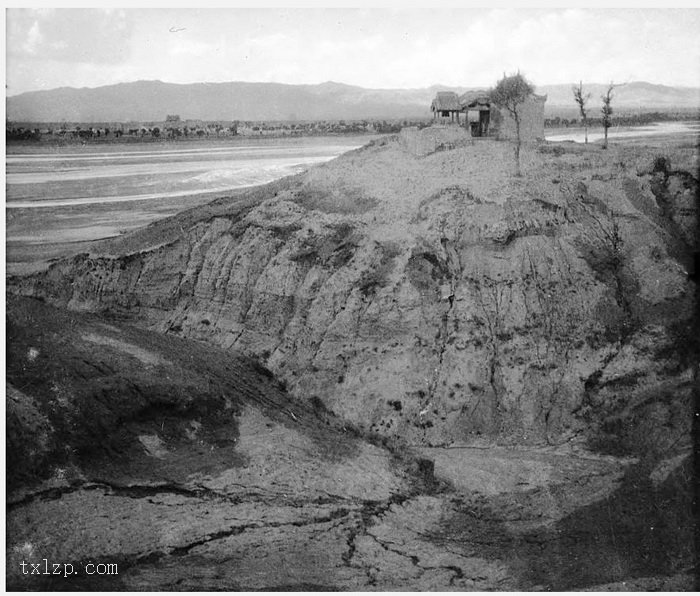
[
  {"x": 37, "y": 131},
  {"x": 87, "y": 131}
]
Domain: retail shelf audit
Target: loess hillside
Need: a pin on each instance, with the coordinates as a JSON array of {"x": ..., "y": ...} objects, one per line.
[
  {"x": 437, "y": 298},
  {"x": 293, "y": 387}
]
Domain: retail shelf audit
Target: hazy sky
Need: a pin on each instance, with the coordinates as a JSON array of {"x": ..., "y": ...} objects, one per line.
[{"x": 379, "y": 48}]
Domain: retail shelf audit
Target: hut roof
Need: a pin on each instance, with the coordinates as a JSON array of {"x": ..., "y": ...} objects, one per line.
[
  {"x": 446, "y": 100},
  {"x": 475, "y": 98}
]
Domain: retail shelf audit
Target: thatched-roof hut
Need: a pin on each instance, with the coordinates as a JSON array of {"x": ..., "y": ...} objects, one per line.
[
  {"x": 476, "y": 99},
  {"x": 486, "y": 119},
  {"x": 446, "y": 106},
  {"x": 477, "y": 105}
]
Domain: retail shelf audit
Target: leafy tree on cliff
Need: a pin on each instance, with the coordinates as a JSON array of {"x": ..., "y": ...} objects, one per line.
[
  {"x": 581, "y": 100},
  {"x": 510, "y": 93}
]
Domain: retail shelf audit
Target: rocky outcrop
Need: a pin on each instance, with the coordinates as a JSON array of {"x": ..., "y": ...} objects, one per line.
[{"x": 435, "y": 298}]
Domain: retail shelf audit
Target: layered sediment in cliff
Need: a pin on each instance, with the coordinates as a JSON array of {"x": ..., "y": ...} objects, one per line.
[{"x": 436, "y": 298}]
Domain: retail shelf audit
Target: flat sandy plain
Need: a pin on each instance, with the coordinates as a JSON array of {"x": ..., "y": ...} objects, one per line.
[{"x": 59, "y": 198}]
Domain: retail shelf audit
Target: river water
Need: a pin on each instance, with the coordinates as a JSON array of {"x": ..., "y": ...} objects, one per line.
[
  {"x": 657, "y": 129},
  {"x": 88, "y": 175},
  {"x": 59, "y": 198},
  {"x": 82, "y": 193}
]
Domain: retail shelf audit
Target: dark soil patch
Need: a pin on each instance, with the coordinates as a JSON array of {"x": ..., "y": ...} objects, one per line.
[
  {"x": 640, "y": 530},
  {"x": 342, "y": 200},
  {"x": 426, "y": 270},
  {"x": 335, "y": 249},
  {"x": 377, "y": 276},
  {"x": 88, "y": 393}
]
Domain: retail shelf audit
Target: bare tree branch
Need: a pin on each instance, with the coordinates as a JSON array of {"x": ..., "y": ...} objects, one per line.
[{"x": 581, "y": 100}]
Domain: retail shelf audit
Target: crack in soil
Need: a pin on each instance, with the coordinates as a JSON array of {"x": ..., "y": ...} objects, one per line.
[
  {"x": 369, "y": 512},
  {"x": 414, "y": 559},
  {"x": 184, "y": 550},
  {"x": 359, "y": 514},
  {"x": 458, "y": 572},
  {"x": 49, "y": 494},
  {"x": 133, "y": 491},
  {"x": 139, "y": 491}
]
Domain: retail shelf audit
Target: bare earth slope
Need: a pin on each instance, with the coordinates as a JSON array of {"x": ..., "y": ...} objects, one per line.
[
  {"x": 189, "y": 469},
  {"x": 437, "y": 304},
  {"x": 434, "y": 298},
  {"x": 134, "y": 448}
]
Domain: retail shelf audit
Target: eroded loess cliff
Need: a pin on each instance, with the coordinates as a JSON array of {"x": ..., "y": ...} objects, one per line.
[
  {"x": 437, "y": 298},
  {"x": 183, "y": 466}
]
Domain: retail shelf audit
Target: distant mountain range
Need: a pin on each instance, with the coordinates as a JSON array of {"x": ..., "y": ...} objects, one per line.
[
  {"x": 637, "y": 95},
  {"x": 152, "y": 100}
]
